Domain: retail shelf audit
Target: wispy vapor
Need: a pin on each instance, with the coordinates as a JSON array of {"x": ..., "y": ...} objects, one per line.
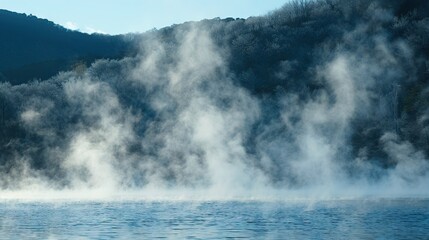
[{"x": 176, "y": 121}]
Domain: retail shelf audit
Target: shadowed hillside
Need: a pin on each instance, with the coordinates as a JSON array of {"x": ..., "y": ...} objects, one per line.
[{"x": 33, "y": 48}]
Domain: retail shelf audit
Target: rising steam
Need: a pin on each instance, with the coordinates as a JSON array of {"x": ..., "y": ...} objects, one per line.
[{"x": 174, "y": 123}]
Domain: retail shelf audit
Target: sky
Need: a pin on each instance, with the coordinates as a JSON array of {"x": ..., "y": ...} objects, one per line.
[{"x": 125, "y": 16}]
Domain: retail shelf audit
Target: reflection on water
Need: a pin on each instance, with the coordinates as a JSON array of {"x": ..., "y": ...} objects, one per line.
[{"x": 371, "y": 219}]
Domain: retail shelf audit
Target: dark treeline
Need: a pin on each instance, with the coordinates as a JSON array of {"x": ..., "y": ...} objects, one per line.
[
  {"x": 384, "y": 45},
  {"x": 33, "y": 48}
]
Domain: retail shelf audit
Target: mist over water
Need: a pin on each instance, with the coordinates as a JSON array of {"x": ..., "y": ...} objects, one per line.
[{"x": 173, "y": 123}]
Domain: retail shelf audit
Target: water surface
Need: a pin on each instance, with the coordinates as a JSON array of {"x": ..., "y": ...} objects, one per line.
[{"x": 357, "y": 219}]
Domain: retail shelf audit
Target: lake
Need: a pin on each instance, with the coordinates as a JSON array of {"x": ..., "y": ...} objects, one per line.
[{"x": 336, "y": 219}]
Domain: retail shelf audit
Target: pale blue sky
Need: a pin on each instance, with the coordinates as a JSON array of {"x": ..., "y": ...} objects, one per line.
[{"x": 123, "y": 16}]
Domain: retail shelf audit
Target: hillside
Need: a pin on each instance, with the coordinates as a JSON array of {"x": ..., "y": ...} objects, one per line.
[
  {"x": 33, "y": 48},
  {"x": 331, "y": 92}
]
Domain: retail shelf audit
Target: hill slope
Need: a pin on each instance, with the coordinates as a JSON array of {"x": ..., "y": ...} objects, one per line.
[
  {"x": 33, "y": 48},
  {"x": 318, "y": 93}
]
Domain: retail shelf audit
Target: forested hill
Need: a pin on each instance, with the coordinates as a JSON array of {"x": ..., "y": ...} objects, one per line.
[
  {"x": 316, "y": 92},
  {"x": 385, "y": 42},
  {"x": 33, "y": 48}
]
